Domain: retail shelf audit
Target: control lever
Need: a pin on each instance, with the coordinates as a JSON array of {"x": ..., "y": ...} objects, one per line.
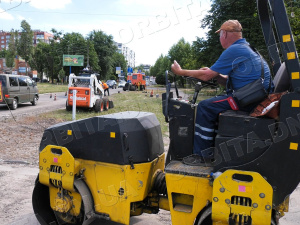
[{"x": 198, "y": 88}]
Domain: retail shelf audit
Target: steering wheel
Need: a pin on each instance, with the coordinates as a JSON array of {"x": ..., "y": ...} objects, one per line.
[{"x": 199, "y": 84}]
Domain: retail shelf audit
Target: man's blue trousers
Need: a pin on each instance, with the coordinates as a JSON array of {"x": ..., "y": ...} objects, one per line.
[{"x": 206, "y": 118}]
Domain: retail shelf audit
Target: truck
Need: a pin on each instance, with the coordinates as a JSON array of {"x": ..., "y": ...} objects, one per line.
[
  {"x": 89, "y": 92},
  {"x": 135, "y": 81},
  {"x": 114, "y": 167}
]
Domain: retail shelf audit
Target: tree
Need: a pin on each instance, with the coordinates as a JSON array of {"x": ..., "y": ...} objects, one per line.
[
  {"x": 139, "y": 67},
  {"x": 12, "y": 49},
  {"x": 245, "y": 12},
  {"x": 293, "y": 12},
  {"x": 53, "y": 60},
  {"x": 162, "y": 64},
  {"x": 25, "y": 44},
  {"x": 105, "y": 49},
  {"x": 112, "y": 77},
  {"x": 3, "y": 53},
  {"x": 183, "y": 54},
  {"x": 71, "y": 44},
  {"x": 208, "y": 50},
  {"x": 38, "y": 60},
  {"x": 57, "y": 35},
  {"x": 200, "y": 52},
  {"x": 93, "y": 58},
  {"x": 61, "y": 75}
]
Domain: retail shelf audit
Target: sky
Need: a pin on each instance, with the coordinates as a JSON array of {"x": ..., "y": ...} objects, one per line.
[{"x": 149, "y": 28}]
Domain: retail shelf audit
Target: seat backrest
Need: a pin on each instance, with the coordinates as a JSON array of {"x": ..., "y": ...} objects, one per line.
[{"x": 282, "y": 80}]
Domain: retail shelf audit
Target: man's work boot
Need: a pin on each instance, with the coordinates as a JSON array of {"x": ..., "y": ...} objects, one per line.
[{"x": 196, "y": 160}]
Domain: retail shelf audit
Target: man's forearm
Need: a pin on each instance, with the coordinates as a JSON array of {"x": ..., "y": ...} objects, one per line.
[{"x": 201, "y": 74}]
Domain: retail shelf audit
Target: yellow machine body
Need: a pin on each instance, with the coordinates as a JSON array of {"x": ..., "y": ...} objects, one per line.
[
  {"x": 241, "y": 195},
  {"x": 113, "y": 187},
  {"x": 232, "y": 197},
  {"x": 187, "y": 195}
]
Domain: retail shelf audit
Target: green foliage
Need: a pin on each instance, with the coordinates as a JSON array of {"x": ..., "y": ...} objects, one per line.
[
  {"x": 12, "y": 50},
  {"x": 38, "y": 61},
  {"x": 61, "y": 75},
  {"x": 139, "y": 67},
  {"x": 199, "y": 52},
  {"x": 73, "y": 44},
  {"x": 105, "y": 49},
  {"x": 93, "y": 58},
  {"x": 182, "y": 52},
  {"x": 158, "y": 70},
  {"x": 3, "y": 53},
  {"x": 208, "y": 50},
  {"x": 221, "y": 10},
  {"x": 293, "y": 12},
  {"x": 53, "y": 60},
  {"x": 25, "y": 45},
  {"x": 57, "y": 35},
  {"x": 48, "y": 58},
  {"x": 112, "y": 77}
]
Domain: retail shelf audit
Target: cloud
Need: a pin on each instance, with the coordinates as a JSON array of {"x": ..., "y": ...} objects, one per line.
[
  {"x": 49, "y": 4},
  {"x": 5, "y": 15},
  {"x": 152, "y": 3},
  {"x": 20, "y": 17}
]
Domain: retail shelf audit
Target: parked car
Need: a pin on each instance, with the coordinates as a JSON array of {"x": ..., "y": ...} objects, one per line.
[
  {"x": 17, "y": 89},
  {"x": 111, "y": 84},
  {"x": 122, "y": 83},
  {"x": 45, "y": 81},
  {"x": 36, "y": 79}
]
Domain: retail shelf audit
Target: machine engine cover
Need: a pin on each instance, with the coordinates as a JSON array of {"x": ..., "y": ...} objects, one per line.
[{"x": 120, "y": 138}]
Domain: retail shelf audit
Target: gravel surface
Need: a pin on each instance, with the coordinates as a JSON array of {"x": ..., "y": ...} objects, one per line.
[{"x": 20, "y": 139}]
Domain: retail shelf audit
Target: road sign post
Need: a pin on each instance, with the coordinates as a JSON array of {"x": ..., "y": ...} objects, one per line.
[{"x": 74, "y": 105}]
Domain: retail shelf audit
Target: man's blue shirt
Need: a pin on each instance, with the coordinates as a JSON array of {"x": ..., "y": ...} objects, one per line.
[{"x": 241, "y": 64}]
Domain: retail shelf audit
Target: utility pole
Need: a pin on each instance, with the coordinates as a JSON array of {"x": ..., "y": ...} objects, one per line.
[{"x": 88, "y": 59}]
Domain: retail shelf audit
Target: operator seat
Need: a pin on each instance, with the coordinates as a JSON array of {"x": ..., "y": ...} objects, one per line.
[{"x": 242, "y": 138}]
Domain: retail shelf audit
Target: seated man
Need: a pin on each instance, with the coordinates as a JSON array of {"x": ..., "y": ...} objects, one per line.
[{"x": 242, "y": 65}]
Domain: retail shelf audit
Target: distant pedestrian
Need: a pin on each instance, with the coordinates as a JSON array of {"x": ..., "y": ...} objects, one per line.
[{"x": 106, "y": 88}]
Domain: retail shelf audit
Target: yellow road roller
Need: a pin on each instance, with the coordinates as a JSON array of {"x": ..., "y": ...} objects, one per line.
[{"x": 113, "y": 167}]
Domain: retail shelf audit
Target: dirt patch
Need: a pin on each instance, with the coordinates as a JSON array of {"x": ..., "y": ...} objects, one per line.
[
  {"x": 17, "y": 182},
  {"x": 20, "y": 138}
]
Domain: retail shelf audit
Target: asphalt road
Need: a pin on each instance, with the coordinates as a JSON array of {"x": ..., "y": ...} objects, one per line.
[{"x": 45, "y": 104}]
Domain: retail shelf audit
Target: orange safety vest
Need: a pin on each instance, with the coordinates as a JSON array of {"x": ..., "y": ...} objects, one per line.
[{"x": 105, "y": 86}]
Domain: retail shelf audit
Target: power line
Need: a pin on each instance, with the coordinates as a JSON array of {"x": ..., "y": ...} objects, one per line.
[{"x": 86, "y": 13}]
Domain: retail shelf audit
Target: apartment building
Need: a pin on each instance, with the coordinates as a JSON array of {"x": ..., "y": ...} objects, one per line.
[
  {"x": 38, "y": 36},
  {"x": 128, "y": 54},
  {"x": 20, "y": 66}
]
